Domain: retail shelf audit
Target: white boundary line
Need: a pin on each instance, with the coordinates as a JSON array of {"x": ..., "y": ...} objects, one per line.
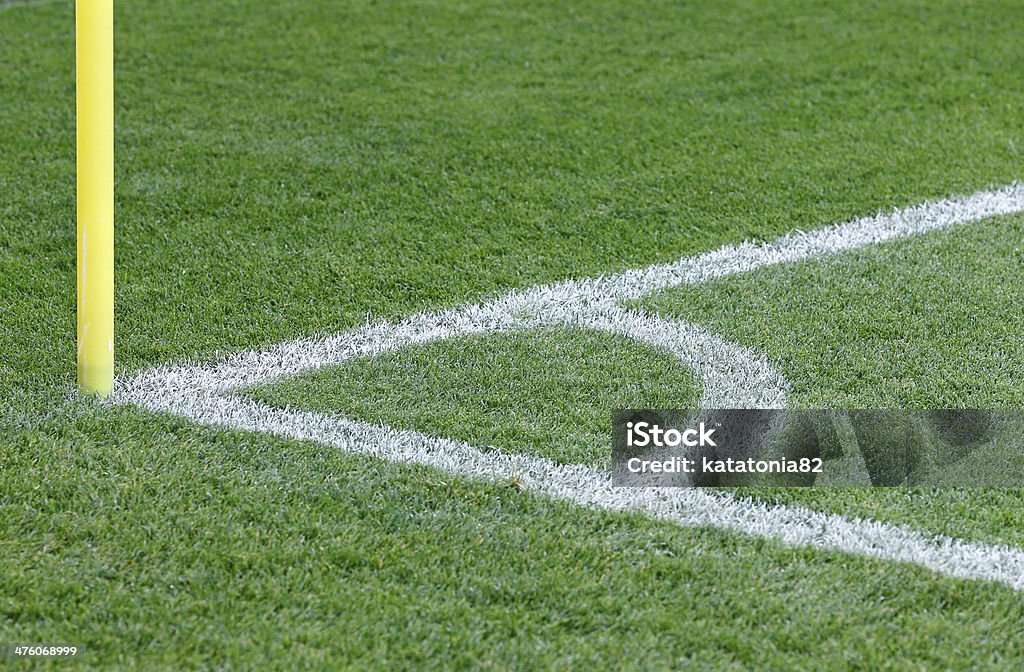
[{"x": 732, "y": 376}]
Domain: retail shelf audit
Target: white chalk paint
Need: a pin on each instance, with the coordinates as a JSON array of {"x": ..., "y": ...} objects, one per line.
[{"x": 732, "y": 377}]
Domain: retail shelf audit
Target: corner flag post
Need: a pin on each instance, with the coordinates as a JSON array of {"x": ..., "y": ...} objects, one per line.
[{"x": 94, "y": 74}]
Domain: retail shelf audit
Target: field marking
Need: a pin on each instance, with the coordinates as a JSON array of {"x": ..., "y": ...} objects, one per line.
[{"x": 732, "y": 376}]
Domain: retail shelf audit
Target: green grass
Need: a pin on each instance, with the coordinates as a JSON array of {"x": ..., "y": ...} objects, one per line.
[
  {"x": 294, "y": 167},
  {"x": 931, "y": 322},
  {"x": 166, "y": 546},
  {"x": 546, "y": 392}
]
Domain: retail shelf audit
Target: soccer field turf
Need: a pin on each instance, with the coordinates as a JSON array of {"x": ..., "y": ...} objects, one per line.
[{"x": 302, "y": 168}]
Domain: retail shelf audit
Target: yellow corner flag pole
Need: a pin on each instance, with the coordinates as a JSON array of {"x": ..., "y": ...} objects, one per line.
[{"x": 94, "y": 69}]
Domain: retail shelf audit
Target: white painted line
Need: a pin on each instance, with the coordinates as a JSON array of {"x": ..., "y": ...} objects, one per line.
[{"x": 732, "y": 377}]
